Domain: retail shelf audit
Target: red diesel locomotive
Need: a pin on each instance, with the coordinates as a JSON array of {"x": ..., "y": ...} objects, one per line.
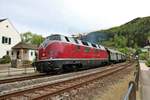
[{"x": 59, "y": 53}]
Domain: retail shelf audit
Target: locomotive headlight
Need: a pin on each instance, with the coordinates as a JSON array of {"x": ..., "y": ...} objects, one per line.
[{"x": 43, "y": 54}]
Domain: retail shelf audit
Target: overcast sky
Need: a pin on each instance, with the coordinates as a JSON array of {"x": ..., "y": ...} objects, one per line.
[{"x": 71, "y": 16}]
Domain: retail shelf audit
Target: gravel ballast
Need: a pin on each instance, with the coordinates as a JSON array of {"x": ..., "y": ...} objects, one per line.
[{"x": 111, "y": 87}]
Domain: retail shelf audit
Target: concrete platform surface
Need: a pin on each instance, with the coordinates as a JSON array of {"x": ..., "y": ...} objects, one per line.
[
  {"x": 145, "y": 81},
  {"x": 7, "y": 71}
]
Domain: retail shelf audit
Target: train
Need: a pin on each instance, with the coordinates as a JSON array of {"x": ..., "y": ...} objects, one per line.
[{"x": 60, "y": 53}]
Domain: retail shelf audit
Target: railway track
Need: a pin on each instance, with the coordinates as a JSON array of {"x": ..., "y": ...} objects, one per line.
[
  {"x": 62, "y": 85},
  {"x": 22, "y": 78}
]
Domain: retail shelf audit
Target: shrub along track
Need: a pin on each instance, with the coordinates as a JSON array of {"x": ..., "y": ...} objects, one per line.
[{"x": 60, "y": 86}]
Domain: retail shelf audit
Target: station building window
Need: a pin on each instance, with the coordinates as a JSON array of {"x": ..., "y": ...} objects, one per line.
[
  {"x": 6, "y": 40},
  {"x": 31, "y": 53},
  {"x": 12, "y": 53},
  {"x": 7, "y": 52}
]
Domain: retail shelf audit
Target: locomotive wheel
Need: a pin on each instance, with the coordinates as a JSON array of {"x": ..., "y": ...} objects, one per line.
[
  {"x": 60, "y": 71},
  {"x": 65, "y": 68},
  {"x": 69, "y": 68}
]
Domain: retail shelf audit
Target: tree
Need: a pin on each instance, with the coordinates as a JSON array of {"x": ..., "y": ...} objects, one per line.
[
  {"x": 26, "y": 37},
  {"x": 120, "y": 41},
  {"x": 29, "y": 37},
  {"x": 37, "y": 39},
  {"x": 136, "y": 31}
]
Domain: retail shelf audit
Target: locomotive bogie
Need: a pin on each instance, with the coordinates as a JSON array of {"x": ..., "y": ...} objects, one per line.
[{"x": 68, "y": 64}]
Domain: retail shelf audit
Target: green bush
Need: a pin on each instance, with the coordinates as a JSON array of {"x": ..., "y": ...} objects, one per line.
[
  {"x": 148, "y": 62},
  {"x": 143, "y": 56},
  {"x": 5, "y": 59}
]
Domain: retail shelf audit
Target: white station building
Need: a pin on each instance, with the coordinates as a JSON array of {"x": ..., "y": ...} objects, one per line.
[{"x": 9, "y": 37}]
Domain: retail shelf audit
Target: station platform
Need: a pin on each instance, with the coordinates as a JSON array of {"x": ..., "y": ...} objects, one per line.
[
  {"x": 144, "y": 81},
  {"x": 7, "y": 71}
]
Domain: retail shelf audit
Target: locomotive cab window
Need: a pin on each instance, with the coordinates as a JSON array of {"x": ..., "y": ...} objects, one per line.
[
  {"x": 49, "y": 38},
  {"x": 54, "y": 37}
]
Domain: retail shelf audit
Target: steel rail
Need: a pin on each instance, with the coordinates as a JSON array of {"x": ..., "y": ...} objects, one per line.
[
  {"x": 56, "y": 88},
  {"x": 100, "y": 75},
  {"x": 22, "y": 78}
]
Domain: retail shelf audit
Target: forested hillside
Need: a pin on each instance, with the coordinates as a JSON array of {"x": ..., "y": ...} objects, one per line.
[{"x": 133, "y": 33}]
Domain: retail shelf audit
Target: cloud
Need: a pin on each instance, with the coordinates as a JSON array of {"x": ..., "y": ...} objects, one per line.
[{"x": 71, "y": 16}]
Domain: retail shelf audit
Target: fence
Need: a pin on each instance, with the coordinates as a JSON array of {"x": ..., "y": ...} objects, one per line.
[{"x": 133, "y": 86}]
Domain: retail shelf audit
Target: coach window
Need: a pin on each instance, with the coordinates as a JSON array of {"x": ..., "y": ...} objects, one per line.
[{"x": 67, "y": 39}]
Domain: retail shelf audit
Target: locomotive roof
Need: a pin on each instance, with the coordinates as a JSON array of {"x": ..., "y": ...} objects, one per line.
[
  {"x": 89, "y": 44},
  {"x": 78, "y": 42},
  {"x": 83, "y": 43}
]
